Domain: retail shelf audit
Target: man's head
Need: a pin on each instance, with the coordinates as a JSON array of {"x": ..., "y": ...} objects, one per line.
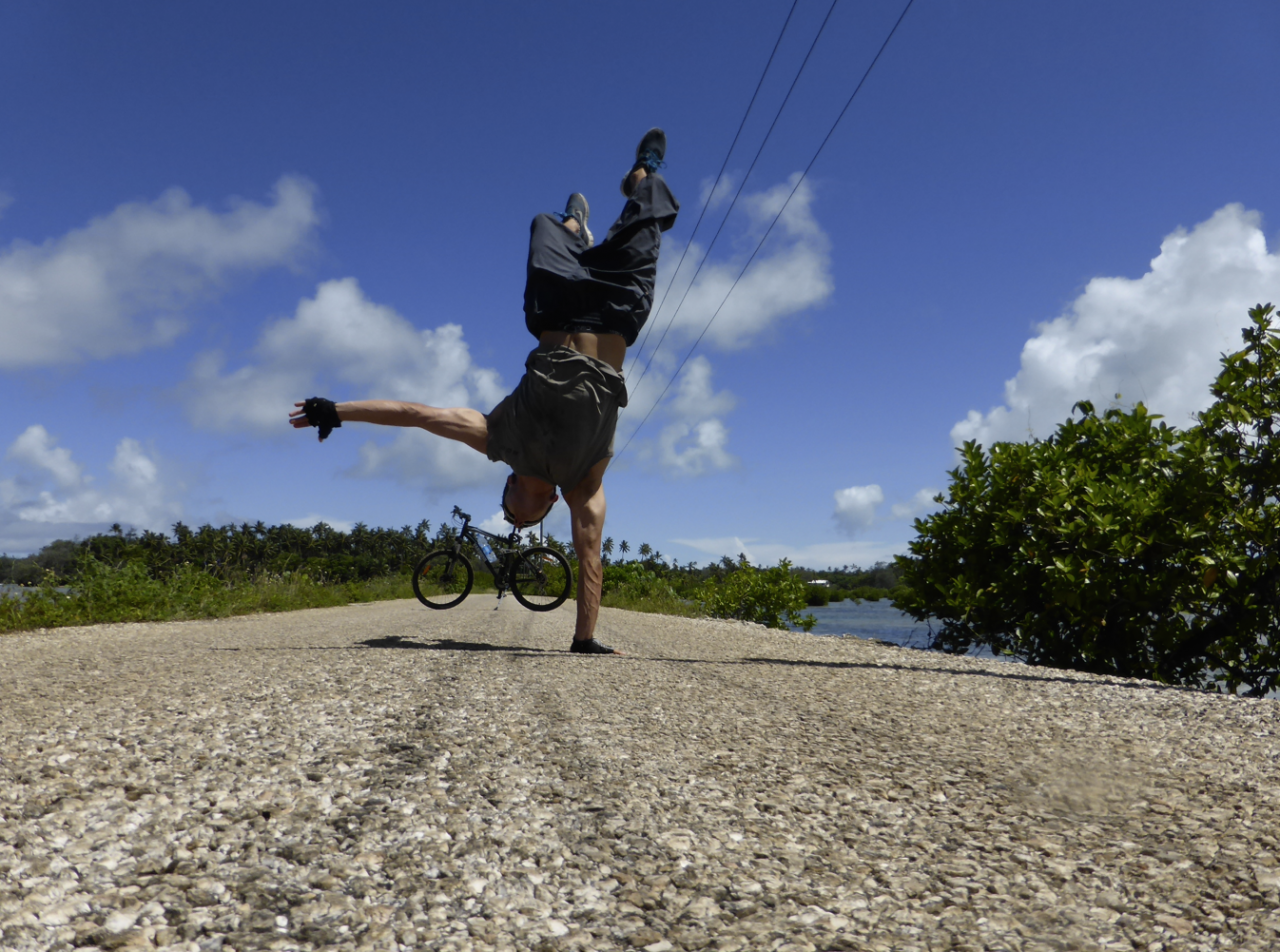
[{"x": 526, "y": 500}]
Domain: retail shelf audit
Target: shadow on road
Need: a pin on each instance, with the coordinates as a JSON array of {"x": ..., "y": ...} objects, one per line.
[
  {"x": 399, "y": 641},
  {"x": 1065, "y": 678},
  {"x": 448, "y": 644},
  {"x": 1006, "y": 672}
]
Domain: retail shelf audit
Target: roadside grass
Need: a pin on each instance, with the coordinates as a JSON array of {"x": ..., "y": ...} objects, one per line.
[
  {"x": 639, "y": 589},
  {"x": 105, "y": 594},
  {"x": 658, "y": 604}
]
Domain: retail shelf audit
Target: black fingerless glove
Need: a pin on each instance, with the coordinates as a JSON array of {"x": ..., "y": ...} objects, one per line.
[{"x": 322, "y": 413}]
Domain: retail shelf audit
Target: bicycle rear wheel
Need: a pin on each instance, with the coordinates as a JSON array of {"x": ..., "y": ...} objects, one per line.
[
  {"x": 443, "y": 579},
  {"x": 541, "y": 579}
]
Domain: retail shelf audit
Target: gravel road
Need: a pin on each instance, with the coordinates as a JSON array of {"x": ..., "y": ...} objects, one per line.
[{"x": 387, "y": 777}]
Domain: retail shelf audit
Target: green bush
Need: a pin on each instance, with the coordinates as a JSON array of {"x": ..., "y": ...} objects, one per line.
[
  {"x": 618, "y": 575},
  {"x": 25, "y": 572},
  {"x": 105, "y": 593},
  {"x": 635, "y": 586},
  {"x": 816, "y": 595},
  {"x": 1065, "y": 551},
  {"x": 1119, "y": 544},
  {"x": 773, "y": 597}
]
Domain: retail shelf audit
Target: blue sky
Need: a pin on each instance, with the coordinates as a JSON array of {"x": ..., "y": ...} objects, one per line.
[{"x": 210, "y": 210}]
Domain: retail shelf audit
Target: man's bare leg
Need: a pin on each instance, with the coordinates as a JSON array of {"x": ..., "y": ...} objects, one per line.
[
  {"x": 453, "y": 423},
  {"x": 587, "y": 511},
  {"x": 632, "y": 179}
]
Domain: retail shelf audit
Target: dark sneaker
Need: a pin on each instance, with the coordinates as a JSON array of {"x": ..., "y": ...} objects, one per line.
[
  {"x": 649, "y": 155},
  {"x": 578, "y": 208},
  {"x": 651, "y": 151},
  {"x": 590, "y": 646}
]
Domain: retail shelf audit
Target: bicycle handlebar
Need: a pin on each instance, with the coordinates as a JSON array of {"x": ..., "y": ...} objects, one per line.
[{"x": 461, "y": 515}]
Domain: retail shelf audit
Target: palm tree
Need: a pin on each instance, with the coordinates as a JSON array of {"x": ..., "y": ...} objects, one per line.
[
  {"x": 624, "y": 547},
  {"x": 646, "y": 550},
  {"x": 607, "y": 547}
]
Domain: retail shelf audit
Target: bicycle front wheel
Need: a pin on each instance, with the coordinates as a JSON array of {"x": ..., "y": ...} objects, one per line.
[
  {"x": 443, "y": 579},
  {"x": 541, "y": 579}
]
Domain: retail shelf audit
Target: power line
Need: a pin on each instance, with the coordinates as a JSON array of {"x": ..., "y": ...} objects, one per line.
[
  {"x": 769, "y": 230},
  {"x": 743, "y": 184},
  {"x": 719, "y": 176}
]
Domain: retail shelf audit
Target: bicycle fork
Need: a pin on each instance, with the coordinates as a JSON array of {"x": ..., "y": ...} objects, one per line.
[{"x": 503, "y": 571}]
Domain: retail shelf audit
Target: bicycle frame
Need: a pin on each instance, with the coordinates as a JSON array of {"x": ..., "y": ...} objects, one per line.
[
  {"x": 504, "y": 547},
  {"x": 539, "y": 578}
]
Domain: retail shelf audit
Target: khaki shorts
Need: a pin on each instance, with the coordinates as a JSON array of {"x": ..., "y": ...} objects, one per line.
[{"x": 560, "y": 419}]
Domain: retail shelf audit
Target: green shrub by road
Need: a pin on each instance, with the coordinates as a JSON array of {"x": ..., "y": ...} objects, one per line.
[
  {"x": 103, "y": 593},
  {"x": 1120, "y": 544},
  {"x": 107, "y": 594},
  {"x": 233, "y": 570}
]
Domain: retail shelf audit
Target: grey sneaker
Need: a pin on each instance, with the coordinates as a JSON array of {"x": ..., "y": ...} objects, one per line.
[{"x": 578, "y": 208}]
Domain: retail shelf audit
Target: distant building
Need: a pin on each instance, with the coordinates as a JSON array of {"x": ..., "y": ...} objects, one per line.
[{"x": 819, "y": 581}]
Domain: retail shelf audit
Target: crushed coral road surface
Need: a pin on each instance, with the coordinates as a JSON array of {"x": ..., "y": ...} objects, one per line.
[{"x": 387, "y": 777}]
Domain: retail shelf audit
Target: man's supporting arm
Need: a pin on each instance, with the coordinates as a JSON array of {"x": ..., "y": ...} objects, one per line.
[{"x": 587, "y": 511}]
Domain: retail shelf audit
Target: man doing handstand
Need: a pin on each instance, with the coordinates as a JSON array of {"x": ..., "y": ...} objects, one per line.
[{"x": 585, "y": 303}]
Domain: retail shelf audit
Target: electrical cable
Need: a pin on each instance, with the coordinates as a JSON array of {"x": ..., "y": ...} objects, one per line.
[
  {"x": 737, "y": 194},
  {"x": 769, "y": 230},
  {"x": 719, "y": 176}
]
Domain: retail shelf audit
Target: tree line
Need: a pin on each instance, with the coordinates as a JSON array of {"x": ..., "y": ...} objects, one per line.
[
  {"x": 238, "y": 552},
  {"x": 234, "y": 553},
  {"x": 127, "y": 575}
]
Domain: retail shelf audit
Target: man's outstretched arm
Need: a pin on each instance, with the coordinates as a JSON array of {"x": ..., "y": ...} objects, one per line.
[{"x": 453, "y": 423}]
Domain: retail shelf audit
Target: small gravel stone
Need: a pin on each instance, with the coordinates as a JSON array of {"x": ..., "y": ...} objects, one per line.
[{"x": 383, "y": 777}]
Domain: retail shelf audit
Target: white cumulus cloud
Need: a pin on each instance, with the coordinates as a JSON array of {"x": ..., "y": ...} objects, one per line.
[
  {"x": 38, "y": 450},
  {"x": 718, "y": 548},
  {"x": 1156, "y": 338},
  {"x": 695, "y": 440},
  {"x": 120, "y": 283},
  {"x": 340, "y": 338},
  {"x": 817, "y": 556},
  {"x": 856, "y": 508},
  {"x": 920, "y": 503},
  {"x": 416, "y": 458},
  {"x": 792, "y": 273},
  {"x": 714, "y": 193},
  {"x": 497, "y": 523},
  {"x": 33, "y": 512}
]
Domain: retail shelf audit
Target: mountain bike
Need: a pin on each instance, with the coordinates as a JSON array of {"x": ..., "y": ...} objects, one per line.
[{"x": 539, "y": 577}]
